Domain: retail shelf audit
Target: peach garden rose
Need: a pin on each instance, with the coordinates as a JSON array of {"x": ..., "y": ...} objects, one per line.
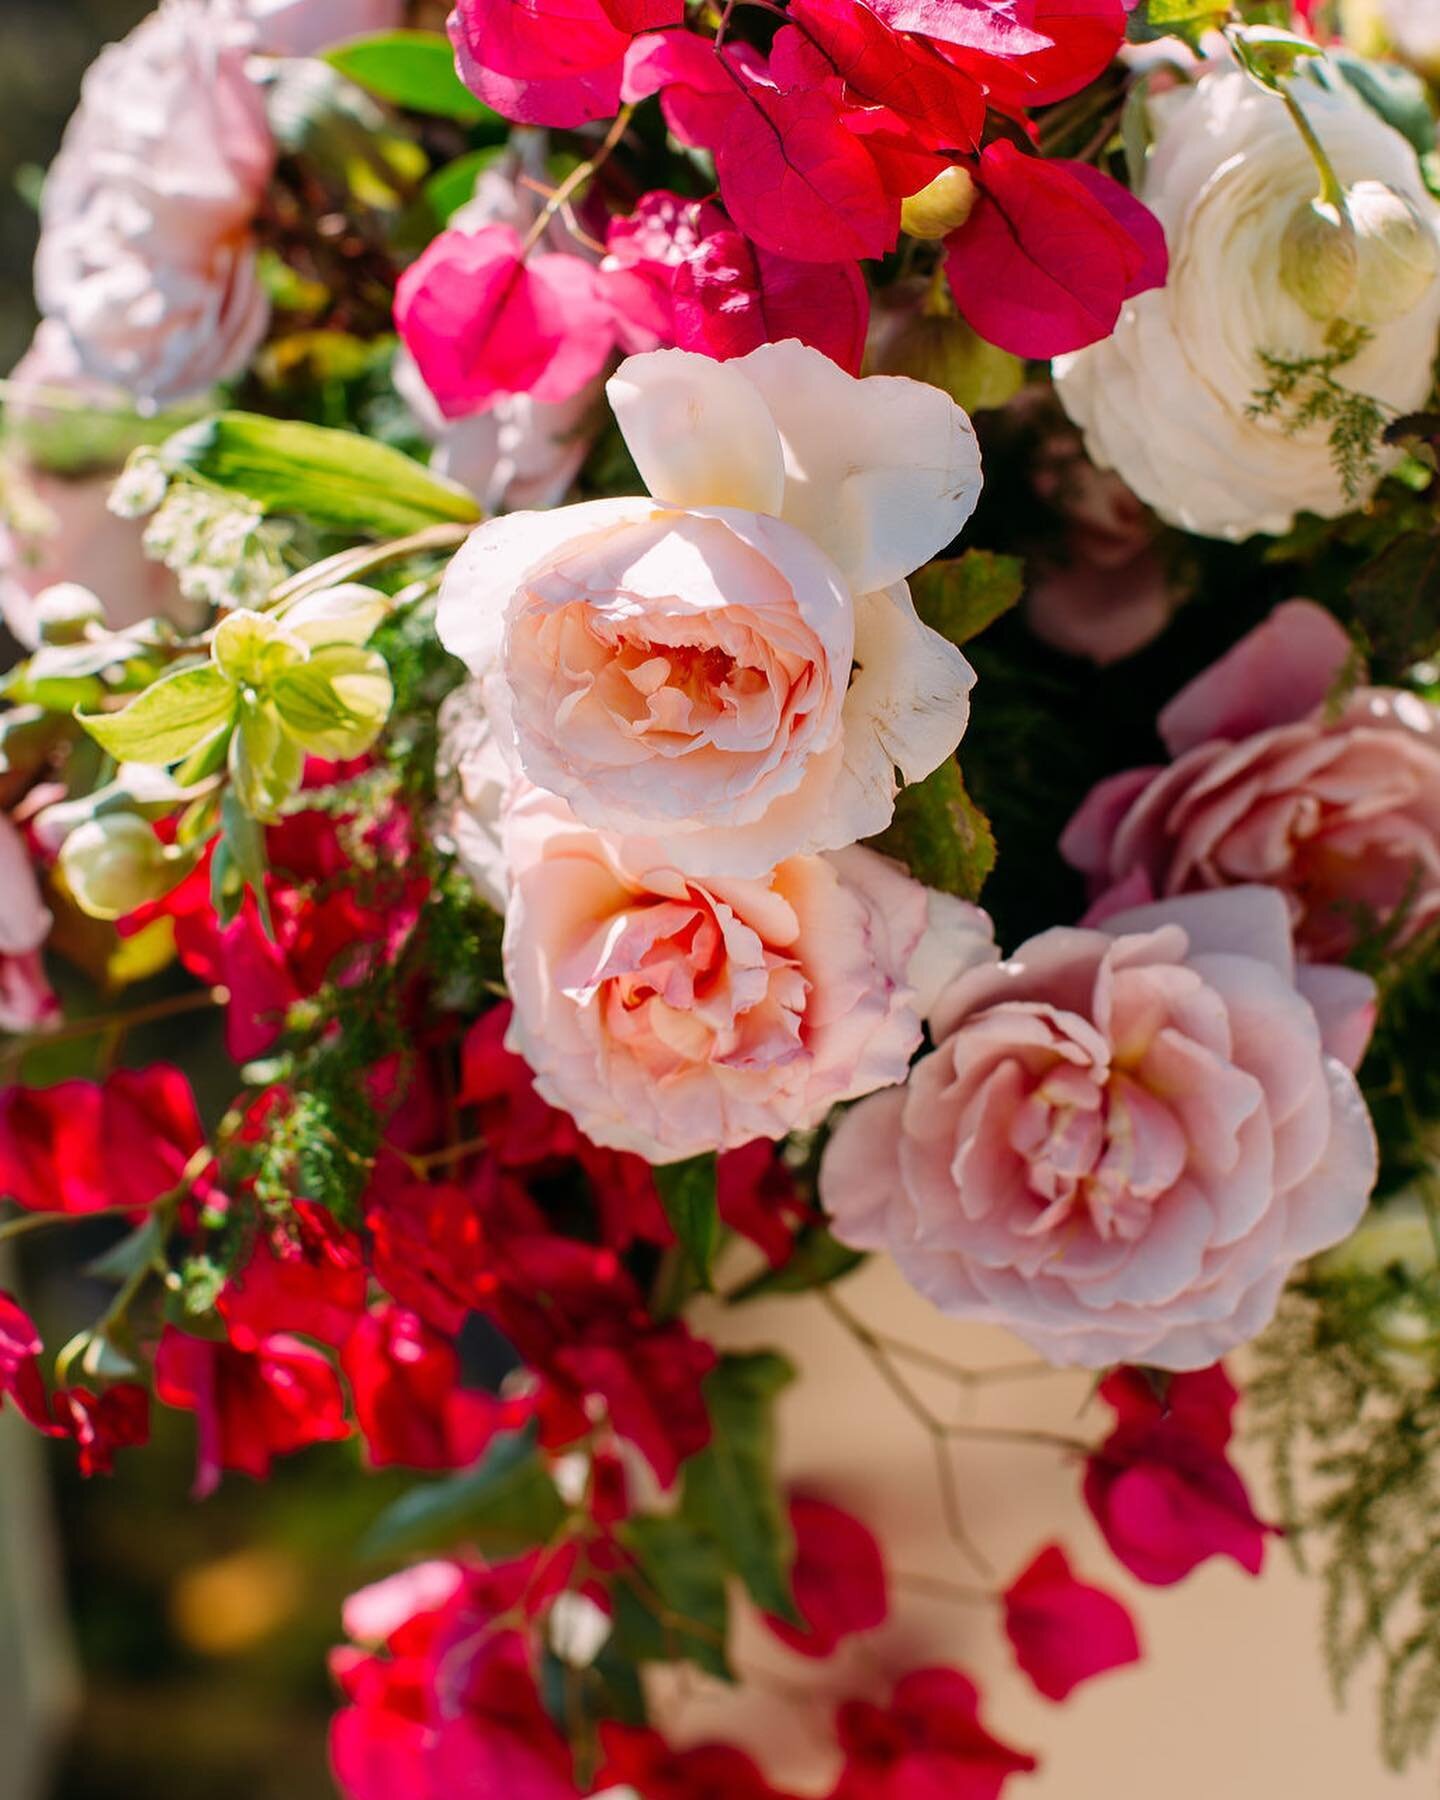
[
  {"x": 733, "y": 666},
  {"x": 672, "y": 1014},
  {"x": 1124, "y": 1139}
]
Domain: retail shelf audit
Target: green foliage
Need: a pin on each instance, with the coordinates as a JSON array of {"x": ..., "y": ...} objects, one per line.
[
  {"x": 940, "y": 834},
  {"x": 414, "y": 70},
  {"x": 337, "y": 480},
  {"x": 1302, "y": 392},
  {"x": 960, "y": 596},
  {"x": 687, "y": 1192},
  {"x": 815, "y": 1262},
  {"x": 1351, "y": 1415},
  {"x": 1400, "y": 1076},
  {"x": 671, "y": 1602},
  {"x": 504, "y": 1504},
  {"x": 450, "y": 188},
  {"x": 731, "y": 1492}
]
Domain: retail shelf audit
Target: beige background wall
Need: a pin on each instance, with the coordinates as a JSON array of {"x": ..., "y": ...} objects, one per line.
[{"x": 1231, "y": 1702}]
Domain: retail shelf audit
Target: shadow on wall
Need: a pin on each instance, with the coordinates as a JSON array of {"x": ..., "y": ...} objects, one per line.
[{"x": 45, "y": 48}]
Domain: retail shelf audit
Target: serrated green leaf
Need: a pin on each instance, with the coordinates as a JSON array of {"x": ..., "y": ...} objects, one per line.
[
  {"x": 336, "y": 704},
  {"x": 731, "y": 1491},
  {"x": 169, "y": 720},
  {"x": 816, "y": 1261},
  {"x": 504, "y": 1504},
  {"x": 336, "y": 479},
  {"x": 415, "y": 70},
  {"x": 688, "y": 1194},
  {"x": 960, "y": 596},
  {"x": 672, "y": 1604},
  {"x": 940, "y": 834}
]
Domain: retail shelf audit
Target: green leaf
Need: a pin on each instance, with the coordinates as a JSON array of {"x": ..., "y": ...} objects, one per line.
[
  {"x": 238, "y": 863},
  {"x": 416, "y": 70},
  {"x": 266, "y": 763},
  {"x": 172, "y": 717},
  {"x": 338, "y": 480},
  {"x": 687, "y": 1192},
  {"x": 816, "y": 1261},
  {"x": 336, "y": 704},
  {"x": 504, "y": 1504},
  {"x": 731, "y": 1491},
  {"x": 452, "y": 187},
  {"x": 961, "y": 596},
  {"x": 940, "y": 834},
  {"x": 673, "y": 1603}
]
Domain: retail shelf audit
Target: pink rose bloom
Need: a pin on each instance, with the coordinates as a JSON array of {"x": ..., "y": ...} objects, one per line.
[
  {"x": 145, "y": 251},
  {"x": 26, "y": 1002},
  {"x": 61, "y": 528},
  {"x": 735, "y": 666},
  {"x": 1124, "y": 1139},
  {"x": 1339, "y": 811},
  {"x": 671, "y": 1016},
  {"x": 301, "y": 27}
]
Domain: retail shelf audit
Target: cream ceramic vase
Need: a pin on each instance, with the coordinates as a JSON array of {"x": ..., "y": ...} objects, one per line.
[{"x": 1231, "y": 1701}]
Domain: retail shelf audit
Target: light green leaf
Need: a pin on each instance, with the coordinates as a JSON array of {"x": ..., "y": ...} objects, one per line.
[
  {"x": 688, "y": 1194},
  {"x": 416, "y": 70},
  {"x": 672, "y": 1603},
  {"x": 731, "y": 1490},
  {"x": 815, "y": 1262},
  {"x": 960, "y": 596},
  {"x": 345, "y": 614},
  {"x": 172, "y": 717},
  {"x": 336, "y": 479},
  {"x": 452, "y": 187},
  {"x": 238, "y": 863},
  {"x": 266, "y": 763},
  {"x": 336, "y": 704},
  {"x": 252, "y": 649},
  {"x": 940, "y": 834},
  {"x": 504, "y": 1504}
]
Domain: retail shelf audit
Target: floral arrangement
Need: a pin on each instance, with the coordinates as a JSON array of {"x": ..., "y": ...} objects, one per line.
[{"x": 731, "y": 638}]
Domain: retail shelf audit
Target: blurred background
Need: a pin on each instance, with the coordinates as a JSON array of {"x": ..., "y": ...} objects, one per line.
[{"x": 164, "y": 1650}]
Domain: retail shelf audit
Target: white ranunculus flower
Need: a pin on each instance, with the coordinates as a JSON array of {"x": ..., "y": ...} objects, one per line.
[
  {"x": 146, "y": 255},
  {"x": 1165, "y": 400}
]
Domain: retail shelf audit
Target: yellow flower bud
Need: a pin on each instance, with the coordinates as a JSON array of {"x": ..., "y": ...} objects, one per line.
[
  {"x": 942, "y": 206},
  {"x": 115, "y": 863}
]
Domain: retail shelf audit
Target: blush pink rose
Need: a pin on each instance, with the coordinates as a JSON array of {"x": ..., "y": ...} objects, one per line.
[
  {"x": 1339, "y": 810},
  {"x": 1124, "y": 1139},
  {"x": 26, "y": 1001},
  {"x": 146, "y": 256},
  {"x": 672, "y": 1016},
  {"x": 735, "y": 666}
]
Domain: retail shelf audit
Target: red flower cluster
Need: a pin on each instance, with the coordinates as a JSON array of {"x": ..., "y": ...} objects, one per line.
[{"x": 1161, "y": 1488}]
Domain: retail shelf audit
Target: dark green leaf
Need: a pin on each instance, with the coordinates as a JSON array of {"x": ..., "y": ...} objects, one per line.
[
  {"x": 815, "y": 1262},
  {"x": 416, "y": 70},
  {"x": 1397, "y": 601},
  {"x": 504, "y": 1504},
  {"x": 336, "y": 479},
  {"x": 940, "y": 834},
  {"x": 672, "y": 1604},
  {"x": 962, "y": 595},
  {"x": 731, "y": 1491},
  {"x": 687, "y": 1192}
]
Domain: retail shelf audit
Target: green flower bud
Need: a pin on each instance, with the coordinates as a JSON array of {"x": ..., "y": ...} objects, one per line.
[
  {"x": 942, "y": 349},
  {"x": 65, "y": 612},
  {"x": 1320, "y": 260},
  {"x": 942, "y": 206},
  {"x": 115, "y": 863},
  {"x": 1398, "y": 255}
]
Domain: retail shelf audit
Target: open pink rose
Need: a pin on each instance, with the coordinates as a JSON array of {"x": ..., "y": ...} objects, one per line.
[
  {"x": 146, "y": 256},
  {"x": 734, "y": 666},
  {"x": 672, "y": 1016},
  {"x": 1340, "y": 810},
  {"x": 26, "y": 1001},
  {"x": 1124, "y": 1139}
]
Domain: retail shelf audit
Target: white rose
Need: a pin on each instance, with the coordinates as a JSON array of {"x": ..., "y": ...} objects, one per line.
[
  {"x": 146, "y": 256},
  {"x": 1165, "y": 400}
]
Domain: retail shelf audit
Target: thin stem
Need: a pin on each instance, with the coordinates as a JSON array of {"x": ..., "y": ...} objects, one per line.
[
  {"x": 963, "y": 1593},
  {"x": 346, "y": 565},
  {"x": 28, "y": 1222},
  {"x": 1330, "y": 189},
  {"x": 1010, "y": 1434},
  {"x": 577, "y": 178},
  {"x": 173, "y": 1007},
  {"x": 926, "y": 1359}
]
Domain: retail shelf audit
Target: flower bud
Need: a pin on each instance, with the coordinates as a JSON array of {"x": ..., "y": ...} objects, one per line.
[
  {"x": 115, "y": 863},
  {"x": 1320, "y": 260},
  {"x": 65, "y": 612},
  {"x": 943, "y": 350},
  {"x": 942, "y": 206},
  {"x": 1398, "y": 256}
]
